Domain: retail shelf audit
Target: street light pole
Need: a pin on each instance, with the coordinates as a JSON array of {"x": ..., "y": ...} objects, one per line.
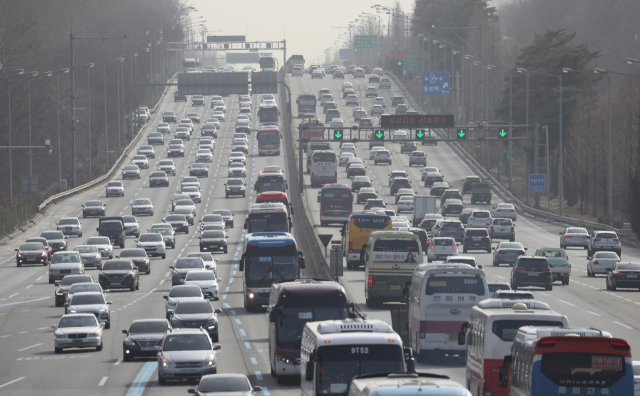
[
  {"x": 610, "y": 206},
  {"x": 509, "y": 156},
  {"x": 18, "y": 71},
  {"x": 89, "y": 66},
  {"x": 470, "y": 57},
  {"x": 59, "y": 142}
]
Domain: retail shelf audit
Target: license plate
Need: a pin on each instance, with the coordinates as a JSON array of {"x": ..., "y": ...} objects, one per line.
[
  {"x": 395, "y": 287},
  {"x": 187, "y": 371},
  {"x": 147, "y": 348},
  {"x": 531, "y": 274},
  {"x": 606, "y": 247},
  {"x": 632, "y": 276},
  {"x": 453, "y": 336},
  {"x": 115, "y": 284},
  {"x": 76, "y": 342},
  {"x": 502, "y": 230}
]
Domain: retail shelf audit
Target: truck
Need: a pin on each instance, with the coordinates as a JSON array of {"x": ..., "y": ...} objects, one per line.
[
  {"x": 422, "y": 205},
  {"x": 112, "y": 227},
  {"x": 480, "y": 193},
  {"x": 559, "y": 263}
]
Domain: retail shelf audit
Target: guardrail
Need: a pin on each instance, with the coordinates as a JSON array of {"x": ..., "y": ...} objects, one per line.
[
  {"x": 116, "y": 165},
  {"x": 502, "y": 190}
]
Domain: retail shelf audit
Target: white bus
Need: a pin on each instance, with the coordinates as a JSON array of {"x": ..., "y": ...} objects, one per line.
[
  {"x": 406, "y": 384},
  {"x": 323, "y": 168},
  {"x": 490, "y": 332},
  {"x": 335, "y": 351},
  {"x": 440, "y": 299}
]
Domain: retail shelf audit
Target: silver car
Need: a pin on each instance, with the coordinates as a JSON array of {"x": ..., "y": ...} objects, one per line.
[
  {"x": 186, "y": 354},
  {"x": 83, "y": 287},
  {"x": 153, "y": 244},
  {"x": 193, "y": 192},
  {"x": 77, "y": 331},
  {"x": 142, "y": 206},
  {"x": 70, "y": 226},
  {"x": 63, "y": 264},
  {"x": 502, "y": 229},
  {"x": 103, "y": 244},
  {"x": 141, "y": 161},
  {"x": 90, "y": 302},
  {"x": 601, "y": 263},
  {"x": 507, "y": 253},
  {"x": 115, "y": 189},
  {"x": 189, "y": 181},
  {"x": 56, "y": 239},
  {"x": 147, "y": 151},
  {"x": 181, "y": 293},
  {"x": 90, "y": 255},
  {"x": 183, "y": 266},
  {"x": 211, "y": 384},
  {"x": 574, "y": 237},
  {"x": 131, "y": 225},
  {"x": 604, "y": 240},
  {"x": 167, "y": 166},
  {"x": 131, "y": 172}
]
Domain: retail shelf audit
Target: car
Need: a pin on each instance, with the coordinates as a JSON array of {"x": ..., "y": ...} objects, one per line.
[
  {"x": 175, "y": 150},
  {"x": 432, "y": 177},
  {"x": 502, "y": 229},
  {"x": 359, "y": 115},
  {"x": 90, "y": 256},
  {"x": 118, "y": 274},
  {"x": 574, "y": 236},
  {"x": 179, "y": 222},
  {"x": 374, "y": 149},
  {"x": 325, "y": 98},
  {"x": 206, "y": 143},
  {"x": 210, "y": 263},
  {"x": 93, "y": 208},
  {"x": 177, "y": 96},
  {"x": 396, "y": 100},
  {"x": 139, "y": 258},
  {"x": 360, "y": 182},
  {"x": 153, "y": 244},
  {"x": 187, "y": 210},
  {"x": 142, "y": 116},
  {"x": 93, "y": 303},
  {"x": 193, "y": 192},
  {"x": 66, "y": 332},
  {"x": 183, "y": 265},
  {"x": 358, "y": 72},
  {"x": 159, "y": 178},
  {"x": 56, "y": 239},
  {"x": 169, "y": 116},
  {"x": 103, "y": 244},
  {"x": 408, "y": 147},
  {"x": 450, "y": 193},
  {"x": 147, "y": 151},
  {"x": 374, "y": 78},
  {"x": 352, "y": 100},
  {"x": 469, "y": 260},
  {"x": 182, "y": 133},
  {"x": 366, "y": 193},
  {"x": 237, "y": 156},
  {"x": 347, "y": 92},
  {"x": 211, "y": 384},
  {"x": 70, "y": 226},
  {"x": 167, "y": 166},
  {"x": 186, "y": 202},
  {"x": 440, "y": 248},
  {"x": 468, "y": 182},
  {"x": 377, "y": 109},
  {"x": 181, "y": 293},
  {"x": 405, "y": 204},
  {"x": 429, "y": 220},
  {"x": 374, "y": 203},
  {"x": 604, "y": 241},
  {"x": 213, "y": 241},
  {"x": 236, "y": 169},
  {"x": 385, "y": 83},
  {"x": 378, "y": 71},
  {"x": 142, "y": 337},
  {"x": 382, "y": 155},
  {"x": 131, "y": 172},
  {"x": 210, "y": 129},
  {"x": 80, "y": 284},
  {"x": 168, "y": 234},
  {"x": 479, "y": 218},
  {"x": 601, "y": 263},
  {"x": 396, "y": 174},
  {"x": 331, "y": 114},
  {"x": 227, "y": 216},
  {"x": 355, "y": 169},
  {"x": 505, "y": 210},
  {"x": 507, "y": 253},
  {"x": 417, "y": 158},
  {"x": 399, "y": 135},
  {"x": 240, "y": 145},
  {"x": 344, "y": 158},
  {"x": 476, "y": 239},
  {"x": 428, "y": 169},
  {"x": 371, "y": 92},
  {"x": 336, "y": 123},
  {"x": 142, "y": 206},
  {"x": 338, "y": 74},
  {"x": 623, "y": 275},
  {"x": 451, "y": 206},
  {"x": 464, "y": 215},
  {"x": 438, "y": 188},
  {"x": 189, "y": 181},
  {"x": 141, "y": 161},
  {"x": 531, "y": 271},
  {"x": 199, "y": 170},
  {"x": 235, "y": 187},
  {"x": 32, "y": 253},
  {"x": 197, "y": 100},
  {"x": 450, "y": 228},
  {"x": 316, "y": 74},
  {"x": 63, "y": 264},
  {"x": 297, "y": 71},
  {"x": 188, "y": 346},
  {"x": 155, "y": 138},
  {"x": 404, "y": 192},
  {"x": 204, "y": 155},
  {"x": 398, "y": 183}
]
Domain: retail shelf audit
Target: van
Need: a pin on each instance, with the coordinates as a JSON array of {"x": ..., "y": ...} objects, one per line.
[
  {"x": 331, "y": 114},
  {"x": 112, "y": 227}
]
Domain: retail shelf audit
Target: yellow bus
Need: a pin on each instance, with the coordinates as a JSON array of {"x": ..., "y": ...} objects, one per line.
[{"x": 355, "y": 234}]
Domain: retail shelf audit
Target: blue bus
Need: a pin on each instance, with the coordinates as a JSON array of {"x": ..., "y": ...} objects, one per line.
[
  {"x": 267, "y": 257},
  {"x": 567, "y": 361}
]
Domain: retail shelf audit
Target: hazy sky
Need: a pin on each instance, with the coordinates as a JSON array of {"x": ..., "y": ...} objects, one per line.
[{"x": 305, "y": 24}]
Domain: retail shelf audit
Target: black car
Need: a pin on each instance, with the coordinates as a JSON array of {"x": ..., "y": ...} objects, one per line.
[
  {"x": 360, "y": 182},
  {"x": 396, "y": 100},
  {"x": 356, "y": 169},
  {"x": 235, "y": 187},
  {"x": 433, "y": 177},
  {"x": 465, "y": 214},
  {"x": 199, "y": 170},
  {"x": 374, "y": 203},
  {"x": 118, "y": 274},
  {"x": 159, "y": 178},
  {"x": 213, "y": 241},
  {"x": 56, "y": 239},
  {"x": 93, "y": 208},
  {"x": 210, "y": 130},
  {"x": 374, "y": 78},
  {"x": 453, "y": 229},
  {"x": 398, "y": 183},
  {"x": 366, "y": 193},
  {"x": 170, "y": 116},
  {"x": 450, "y": 194},
  {"x": 468, "y": 183},
  {"x": 531, "y": 271},
  {"x": 187, "y": 213},
  {"x": 142, "y": 338},
  {"x": 623, "y": 275},
  {"x": 175, "y": 150},
  {"x": 476, "y": 239},
  {"x": 452, "y": 207},
  {"x": 65, "y": 284},
  {"x": 178, "y": 222},
  {"x": 196, "y": 314},
  {"x": 139, "y": 258},
  {"x": 197, "y": 100},
  {"x": 179, "y": 97},
  {"x": 338, "y": 74},
  {"x": 155, "y": 138},
  {"x": 408, "y": 147},
  {"x": 227, "y": 216},
  {"x": 422, "y": 236}
]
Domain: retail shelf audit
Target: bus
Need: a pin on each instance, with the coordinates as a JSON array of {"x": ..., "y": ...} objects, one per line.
[
  {"x": 294, "y": 60},
  {"x": 440, "y": 299},
  {"x": 335, "y": 351},
  {"x": 390, "y": 258},
  {"x": 489, "y": 334},
  {"x": 267, "y": 257},
  {"x": 270, "y": 181},
  {"x": 307, "y": 105},
  {"x": 573, "y": 361},
  {"x": 190, "y": 63},
  {"x": 268, "y": 141},
  {"x": 268, "y": 217},
  {"x": 268, "y": 114},
  {"x": 315, "y": 145},
  {"x": 275, "y": 197},
  {"x": 291, "y": 305},
  {"x": 267, "y": 62},
  {"x": 324, "y": 168},
  {"x": 336, "y": 203},
  {"x": 355, "y": 234},
  {"x": 405, "y": 384}
]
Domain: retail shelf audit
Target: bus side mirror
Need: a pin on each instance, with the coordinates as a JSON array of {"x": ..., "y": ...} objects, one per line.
[
  {"x": 245, "y": 224},
  {"x": 462, "y": 335},
  {"x": 241, "y": 264},
  {"x": 272, "y": 314},
  {"x": 308, "y": 373},
  {"x": 301, "y": 259},
  {"x": 503, "y": 378},
  {"x": 291, "y": 207}
]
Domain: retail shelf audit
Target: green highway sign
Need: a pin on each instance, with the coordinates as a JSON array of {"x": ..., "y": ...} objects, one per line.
[
  {"x": 411, "y": 65},
  {"x": 378, "y": 134},
  {"x": 461, "y": 134},
  {"x": 505, "y": 155},
  {"x": 338, "y": 134},
  {"x": 420, "y": 134},
  {"x": 502, "y": 134},
  {"x": 365, "y": 41}
]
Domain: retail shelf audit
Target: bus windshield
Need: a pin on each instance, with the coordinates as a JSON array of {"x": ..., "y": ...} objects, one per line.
[
  {"x": 324, "y": 157},
  {"x": 268, "y": 137},
  {"x": 271, "y": 182},
  {"x": 455, "y": 285},
  {"x": 268, "y": 114},
  {"x": 340, "y": 363},
  {"x": 271, "y": 264},
  {"x": 507, "y": 329},
  {"x": 342, "y": 193},
  {"x": 268, "y": 222},
  {"x": 393, "y": 250},
  {"x": 577, "y": 369}
]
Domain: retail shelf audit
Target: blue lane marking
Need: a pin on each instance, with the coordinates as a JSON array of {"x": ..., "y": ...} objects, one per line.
[
  {"x": 227, "y": 289},
  {"x": 234, "y": 273},
  {"x": 141, "y": 380},
  {"x": 235, "y": 266},
  {"x": 233, "y": 312},
  {"x": 238, "y": 321},
  {"x": 254, "y": 361},
  {"x": 227, "y": 305},
  {"x": 231, "y": 280},
  {"x": 224, "y": 297},
  {"x": 243, "y": 333},
  {"x": 24, "y": 302},
  {"x": 258, "y": 375},
  {"x": 265, "y": 391},
  {"x": 247, "y": 345}
]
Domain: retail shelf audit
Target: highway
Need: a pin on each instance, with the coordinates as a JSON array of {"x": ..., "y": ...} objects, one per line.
[{"x": 585, "y": 301}]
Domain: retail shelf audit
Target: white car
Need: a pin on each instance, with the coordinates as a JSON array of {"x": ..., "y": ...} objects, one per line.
[
  {"x": 163, "y": 127},
  {"x": 71, "y": 325},
  {"x": 189, "y": 181},
  {"x": 317, "y": 73},
  {"x": 352, "y": 100},
  {"x": 244, "y": 116},
  {"x": 440, "y": 248},
  {"x": 601, "y": 263},
  {"x": 238, "y": 156},
  {"x": 429, "y": 169},
  {"x": 219, "y": 115},
  {"x": 182, "y": 134},
  {"x": 380, "y": 101},
  {"x": 400, "y": 135},
  {"x": 181, "y": 293},
  {"x": 153, "y": 244},
  {"x": 395, "y": 174},
  {"x": 237, "y": 169},
  {"x": 327, "y": 97},
  {"x": 371, "y": 91},
  {"x": 505, "y": 210},
  {"x": 346, "y": 85},
  {"x": 204, "y": 155},
  {"x": 70, "y": 226},
  {"x": 358, "y": 72},
  {"x": 240, "y": 146},
  {"x": 219, "y": 105},
  {"x": 479, "y": 218},
  {"x": 208, "y": 144},
  {"x": 147, "y": 151},
  {"x": 103, "y": 244},
  {"x": 167, "y": 166},
  {"x": 193, "y": 192},
  {"x": 142, "y": 206},
  {"x": 405, "y": 203},
  {"x": 208, "y": 260},
  {"x": 131, "y": 225},
  {"x": 348, "y": 148},
  {"x": 377, "y": 109},
  {"x": 241, "y": 135},
  {"x": 372, "y": 153},
  {"x": 344, "y": 157},
  {"x": 336, "y": 123},
  {"x": 115, "y": 189},
  {"x": 378, "y": 71},
  {"x": 141, "y": 161},
  {"x": 187, "y": 122},
  {"x": 382, "y": 156},
  {"x": 206, "y": 280}
]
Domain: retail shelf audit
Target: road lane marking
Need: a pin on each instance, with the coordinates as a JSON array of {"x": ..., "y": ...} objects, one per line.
[
  {"x": 40, "y": 277},
  {"x": 33, "y": 346},
  {"x": 265, "y": 391},
  {"x": 118, "y": 362},
  {"x": 566, "y": 303},
  {"x": 243, "y": 332},
  {"x": 32, "y": 285},
  {"x": 13, "y": 295},
  {"x": 24, "y": 302},
  {"x": 593, "y": 313},
  {"x": 258, "y": 375},
  {"x": 103, "y": 381},
  {"x": 254, "y": 361},
  {"x": 623, "y": 325},
  {"x": 141, "y": 380},
  {"x": 247, "y": 345},
  {"x": 11, "y": 382}
]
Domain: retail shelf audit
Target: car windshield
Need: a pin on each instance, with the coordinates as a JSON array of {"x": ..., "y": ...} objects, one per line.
[
  {"x": 128, "y": 167},
  {"x": 184, "y": 202},
  {"x": 482, "y": 215},
  {"x": 77, "y": 321},
  {"x": 606, "y": 235},
  {"x": 65, "y": 258},
  {"x": 218, "y": 384},
  {"x": 72, "y": 221},
  {"x": 162, "y": 231},
  {"x": 70, "y": 280},
  {"x": 176, "y": 218},
  {"x": 502, "y": 222},
  {"x": 158, "y": 174},
  {"x": 87, "y": 299},
  {"x": 133, "y": 253},
  {"x": 606, "y": 255},
  {"x": 150, "y": 238},
  {"x": 145, "y": 327},
  {"x": 195, "y": 262},
  {"x": 31, "y": 246},
  {"x": 86, "y": 249},
  {"x": 200, "y": 275},
  {"x": 186, "y": 291},
  {"x": 52, "y": 235},
  {"x": 513, "y": 245},
  {"x": 576, "y": 231},
  {"x": 142, "y": 201},
  {"x": 191, "y": 308},
  {"x": 628, "y": 267},
  {"x": 110, "y": 225},
  {"x": 213, "y": 235},
  {"x": 139, "y": 157},
  {"x": 116, "y": 265},
  {"x": 236, "y": 182},
  {"x": 443, "y": 242},
  {"x": 186, "y": 342},
  {"x": 94, "y": 287},
  {"x": 198, "y": 166},
  {"x": 129, "y": 219},
  {"x": 165, "y": 163},
  {"x": 236, "y": 165},
  {"x": 99, "y": 241}
]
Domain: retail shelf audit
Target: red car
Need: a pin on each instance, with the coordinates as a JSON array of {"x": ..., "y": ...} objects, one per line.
[
  {"x": 47, "y": 247},
  {"x": 31, "y": 253}
]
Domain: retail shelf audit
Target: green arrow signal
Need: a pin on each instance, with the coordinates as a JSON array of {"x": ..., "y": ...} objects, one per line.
[
  {"x": 503, "y": 133},
  {"x": 356, "y": 50},
  {"x": 379, "y": 134},
  {"x": 399, "y": 63},
  {"x": 338, "y": 134},
  {"x": 461, "y": 133},
  {"x": 419, "y": 134}
]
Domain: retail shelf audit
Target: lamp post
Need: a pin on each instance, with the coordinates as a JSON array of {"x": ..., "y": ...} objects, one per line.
[
  {"x": 470, "y": 57},
  {"x": 559, "y": 77},
  {"x": 89, "y": 66},
  {"x": 106, "y": 130},
  {"x": 509, "y": 157},
  {"x": 58, "y": 72},
  {"x": 606, "y": 74},
  {"x": 459, "y": 89},
  {"x": 29, "y": 77},
  {"x": 17, "y": 71}
]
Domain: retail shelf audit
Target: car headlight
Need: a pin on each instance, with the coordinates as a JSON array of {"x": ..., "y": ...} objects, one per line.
[
  {"x": 129, "y": 342},
  {"x": 72, "y": 311},
  {"x": 210, "y": 361},
  {"x": 58, "y": 335},
  {"x": 94, "y": 334},
  {"x": 171, "y": 303},
  {"x": 108, "y": 248},
  {"x": 166, "y": 363},
  {"x": 283, "y": 359}
]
